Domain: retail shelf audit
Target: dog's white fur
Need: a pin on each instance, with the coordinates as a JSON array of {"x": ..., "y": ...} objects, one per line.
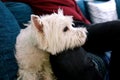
[{"x": 45, "y": 35}]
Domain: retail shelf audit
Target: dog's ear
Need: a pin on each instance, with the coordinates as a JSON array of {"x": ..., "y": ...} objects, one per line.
[
  {"x": 60, "y": 11},
  {"x": 36, "y": 22}
]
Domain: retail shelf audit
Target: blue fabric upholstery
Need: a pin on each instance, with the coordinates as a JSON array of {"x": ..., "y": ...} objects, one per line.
[
  {"x": 21, "y": 11},
  {"x": 81, "y": 5},
  {"x": 9, "y": 29},
  {"x": 118, "y": 8}
]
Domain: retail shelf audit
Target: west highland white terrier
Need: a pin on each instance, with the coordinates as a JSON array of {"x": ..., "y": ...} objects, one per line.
[{"x": 45, "y": 35}]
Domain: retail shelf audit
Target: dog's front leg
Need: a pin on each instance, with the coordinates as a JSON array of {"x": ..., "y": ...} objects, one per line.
[
  {"x": 48, "y": 73},
  {"x": 29, "y": 75}
]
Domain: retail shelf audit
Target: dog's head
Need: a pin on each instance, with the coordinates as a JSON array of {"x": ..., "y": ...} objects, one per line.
[{"x": 56, "y": 32}]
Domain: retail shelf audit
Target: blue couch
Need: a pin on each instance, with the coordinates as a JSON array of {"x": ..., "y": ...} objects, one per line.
[{"x": 10, "y": 24}]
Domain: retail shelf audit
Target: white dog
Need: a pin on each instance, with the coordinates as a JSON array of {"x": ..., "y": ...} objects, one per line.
[{"x": 45, "y": 35}]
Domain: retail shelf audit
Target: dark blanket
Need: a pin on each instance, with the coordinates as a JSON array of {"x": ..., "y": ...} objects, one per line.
[{"x": 77, "y": 64}]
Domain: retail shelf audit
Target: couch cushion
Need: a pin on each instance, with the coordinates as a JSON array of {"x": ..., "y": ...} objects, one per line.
[
  {"x": 118, "y": 7},
  {"x": 21, "y": 9},
  {"x": 82, "y": 6},
  {"x": 9, "y": 29},
  {"x": 102, "y": 11}
]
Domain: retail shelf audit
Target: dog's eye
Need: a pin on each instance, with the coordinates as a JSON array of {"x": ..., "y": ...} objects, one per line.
[{"x": 65, "y": 29}]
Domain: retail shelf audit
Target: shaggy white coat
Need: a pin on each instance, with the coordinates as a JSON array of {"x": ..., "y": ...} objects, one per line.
[{"x": 45, "y": 35}]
